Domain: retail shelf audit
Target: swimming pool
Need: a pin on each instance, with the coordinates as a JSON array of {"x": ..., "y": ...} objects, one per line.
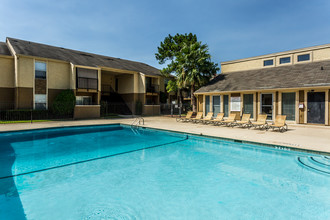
[{"x": 119, "y": 172}]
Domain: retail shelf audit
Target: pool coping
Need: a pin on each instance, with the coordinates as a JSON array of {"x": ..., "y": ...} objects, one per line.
[{"x": 274, "y": 146}]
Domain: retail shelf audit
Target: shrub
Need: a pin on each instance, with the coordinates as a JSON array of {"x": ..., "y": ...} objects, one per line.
[{"x": 64, "y": 103}]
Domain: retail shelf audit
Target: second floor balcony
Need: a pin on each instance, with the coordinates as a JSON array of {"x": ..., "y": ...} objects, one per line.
[
  {"x": 152, "y": 88},
  {"x": 87, "y": 83}
]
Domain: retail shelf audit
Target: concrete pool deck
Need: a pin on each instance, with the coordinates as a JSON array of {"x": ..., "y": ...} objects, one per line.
[{"x": 307, "y": 137}]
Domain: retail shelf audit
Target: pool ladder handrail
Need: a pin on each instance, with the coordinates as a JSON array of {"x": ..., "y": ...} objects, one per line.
[{"x": 137, "y": 121}]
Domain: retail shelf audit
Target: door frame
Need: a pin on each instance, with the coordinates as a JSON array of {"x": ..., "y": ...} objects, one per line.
[
  {"x": 253, "y": 103},
  {"x": 273, "y": 105},
  {"x": 326, "y": 115}
]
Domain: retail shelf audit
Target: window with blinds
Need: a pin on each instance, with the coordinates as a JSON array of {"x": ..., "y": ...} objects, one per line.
[
  {"x": 87, "y": 78},
  {"x": 225, "y": 105},
  {"x": 248, "y": 104},
  {"x": 207, "y": 104},
  {"x": 289, "y": 105},
  {"x": 216, "y": 105}
]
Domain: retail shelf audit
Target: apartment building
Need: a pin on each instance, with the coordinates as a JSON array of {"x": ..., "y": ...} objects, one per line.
[
  {"x": 294, "y": 83},
  {"x": 33, "y": 74}
]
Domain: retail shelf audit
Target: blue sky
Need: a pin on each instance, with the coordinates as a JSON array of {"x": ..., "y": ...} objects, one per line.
[{"x": 132, "y": 29}]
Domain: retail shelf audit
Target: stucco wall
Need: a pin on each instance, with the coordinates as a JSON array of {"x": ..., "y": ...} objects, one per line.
[
  {"x": 25, "y": 72},
  {"x": 322, "y": 54},
  {"x": 316, "y": 54},
  {"x": 108, "y": 79},
  {"x": 58, "y": 75},
  {"x": 125, "y": 84},
  {"x": 7, "y": 72},
  {"x": 139, "y": 83}
]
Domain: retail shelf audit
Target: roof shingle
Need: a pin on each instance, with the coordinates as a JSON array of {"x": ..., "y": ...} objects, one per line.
[
  {"x": 312, "y": 74},
  {"x": 4, "y": 49},
  {"x": 78, "y": 57}
]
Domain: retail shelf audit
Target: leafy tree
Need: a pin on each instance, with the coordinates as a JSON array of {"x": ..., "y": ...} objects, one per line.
[
  {"x": 197, "y": 68},
  {"x": 189, "y": 60},
  {"x": 64, "y": 103},
  {"x": 172, "y": 86}
]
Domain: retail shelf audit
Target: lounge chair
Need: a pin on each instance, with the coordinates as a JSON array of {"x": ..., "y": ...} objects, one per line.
[
  {"x": 280, "y": 123},
  {"x": 261, "y": 122},
  {"x": 230, "y": 120},
  {"x": 185, "y": 119},
  {"x": 245, "y": 121},
  {"x": 218, "y": 120},
  {"x": 198, "y": 117},
  {"x": 207, "y": 118}
]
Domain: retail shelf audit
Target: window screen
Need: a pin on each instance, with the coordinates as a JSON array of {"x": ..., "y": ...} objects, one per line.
[
  {"x": 235, "y": 103},
  {"x": 288, "y": 105},
  {"x": 40, "y": 101},
  {"x": 87, "y": 78},
  {"x": 248, "y": 104},
  {"x": 207, "y": 104},
  {"x": 303, "y": 57},
  {"x": 285, "y": 60},
  {"x": 40, "y": 70},
  {"x": 216, "y": 105},
  {"x": 268, "y": 62},
  {"x": 225, "y": 105}
]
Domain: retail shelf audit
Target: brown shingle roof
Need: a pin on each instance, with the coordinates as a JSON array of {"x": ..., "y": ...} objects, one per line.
[
  {"x": 4, "y": 49},
  {"x": 312, "y": 74},
  {"x": 78, "y": 57}
]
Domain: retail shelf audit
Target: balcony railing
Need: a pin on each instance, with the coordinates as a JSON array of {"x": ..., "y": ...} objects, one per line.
[
  {"x": 152, "y": 88},
  {"x": 87, "y": 83}
]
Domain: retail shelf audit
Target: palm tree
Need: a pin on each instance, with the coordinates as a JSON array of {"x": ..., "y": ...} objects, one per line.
[{"x": 197, "y": 68}]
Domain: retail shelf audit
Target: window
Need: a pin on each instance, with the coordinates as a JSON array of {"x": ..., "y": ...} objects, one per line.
[
  {"x": 40, "y": 101},
  {"x": 268, "y": 62},
  {"x": 216, "y": 105},
  {"x": 267, "y": 105},
  {"x": 207, "y": 104},
  {"x": 40, "y": 70},
  {"x": 225, "y": 105},
  {"x": 289, "y": 105},
  {"x": 285, "y": 60},
  {"x": 248, "y": 104},
  {"x": 83, "y": 100},
  {"x": 303, "y": 57},
  {"x": 87, "y": 78},
  {"x": 235, "y": 104}
]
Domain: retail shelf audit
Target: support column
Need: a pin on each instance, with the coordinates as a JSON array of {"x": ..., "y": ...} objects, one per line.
[
  {"x": 326, "y": 107},
  {"x": 297, "y": 107},
  {"x": 221, "y": 104}
]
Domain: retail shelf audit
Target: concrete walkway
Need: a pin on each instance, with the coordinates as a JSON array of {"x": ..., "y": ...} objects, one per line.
[{"x": 307, "y": 137}]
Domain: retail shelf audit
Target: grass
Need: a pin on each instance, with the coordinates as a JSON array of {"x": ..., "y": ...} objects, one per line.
[
  {"x": 109, "y": 116},
  {"x": 23, "y": 121}
]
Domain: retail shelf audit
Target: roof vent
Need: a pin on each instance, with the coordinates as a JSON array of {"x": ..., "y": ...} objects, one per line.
[{"x": 322, "y": 68}]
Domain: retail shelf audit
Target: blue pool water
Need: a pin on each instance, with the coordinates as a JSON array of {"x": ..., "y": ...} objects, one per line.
[{"x": 115, "y": 172}]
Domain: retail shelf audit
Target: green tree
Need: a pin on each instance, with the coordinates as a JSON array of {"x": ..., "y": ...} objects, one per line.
[
  {"x": 172, "y": 86},
  {"x": 197, "y": 67},
  {"x": 189, "y": 60}
]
